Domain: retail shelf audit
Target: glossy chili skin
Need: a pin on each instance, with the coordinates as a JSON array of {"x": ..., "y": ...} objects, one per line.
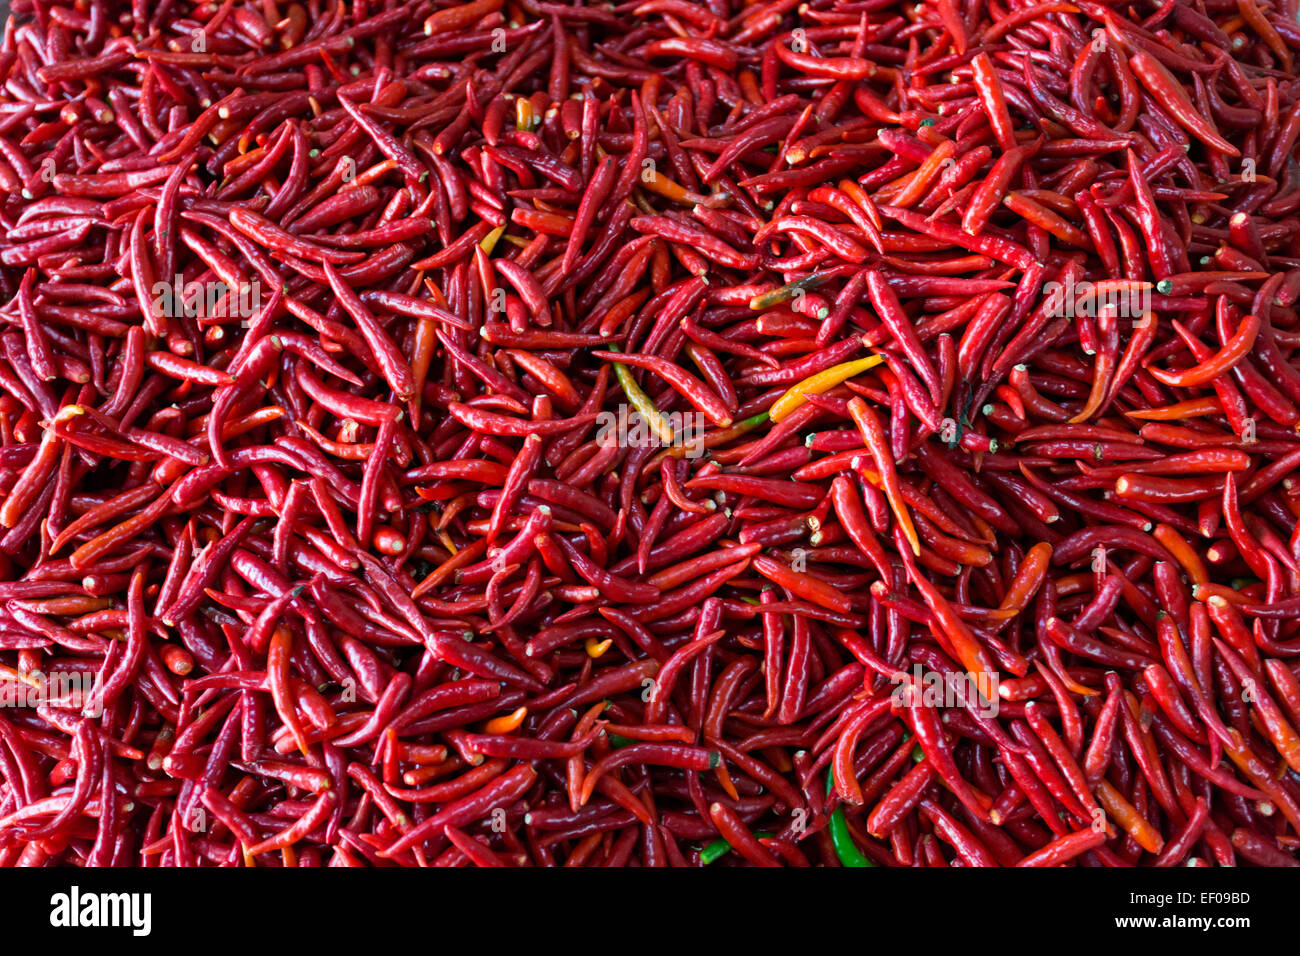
[{"x": 674, "y": 433}]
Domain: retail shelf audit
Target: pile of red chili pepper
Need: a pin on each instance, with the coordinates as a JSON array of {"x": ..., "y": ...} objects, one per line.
[{"x": 503, "y": 433}]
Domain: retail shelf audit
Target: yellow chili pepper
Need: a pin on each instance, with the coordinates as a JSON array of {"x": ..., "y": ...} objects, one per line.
[
  {"x": 447, "y": 542},
  {"x": 489, "y": 242},
  {"x": 823, "y": 381},
  {"x": 523, "y": 113},
  {"x": 642, "y": 403}
]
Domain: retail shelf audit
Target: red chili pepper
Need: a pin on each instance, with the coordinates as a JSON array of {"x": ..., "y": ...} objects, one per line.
[
  {"x": 1162, "y": 84},
  {"x": 311, "y": 461}
]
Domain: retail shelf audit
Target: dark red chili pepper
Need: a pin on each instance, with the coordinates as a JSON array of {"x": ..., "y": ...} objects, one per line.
[{"x": 309, "y": 446}]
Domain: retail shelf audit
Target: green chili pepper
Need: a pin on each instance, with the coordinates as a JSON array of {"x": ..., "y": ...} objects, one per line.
[
  {"x": 720, "y": 848},
  {"x": 642, "y": 403},
  {"x": 714, "y": 851},
  {"x": 842, "y": 839}
]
